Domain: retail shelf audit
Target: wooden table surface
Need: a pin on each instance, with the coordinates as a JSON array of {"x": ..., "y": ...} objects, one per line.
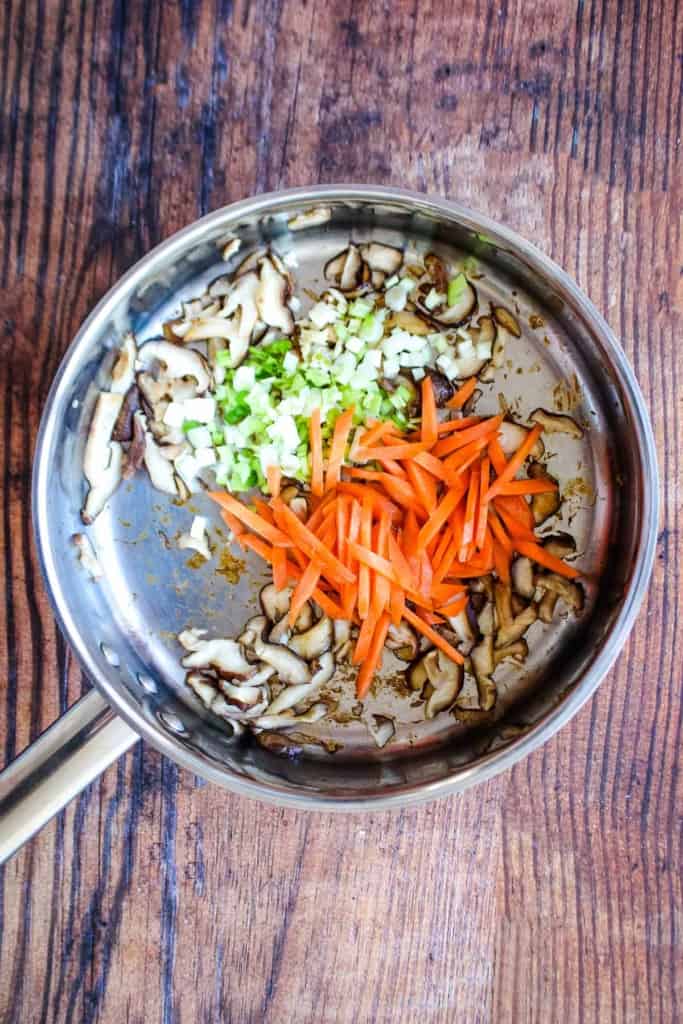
[{"x": 552, "y": 893}]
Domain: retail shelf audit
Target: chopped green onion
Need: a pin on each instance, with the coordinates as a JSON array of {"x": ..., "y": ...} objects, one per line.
[{"x": 456, "y": 288}]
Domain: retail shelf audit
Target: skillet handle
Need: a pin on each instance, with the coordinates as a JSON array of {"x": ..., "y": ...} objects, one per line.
[{"x": 63, "y": 761}]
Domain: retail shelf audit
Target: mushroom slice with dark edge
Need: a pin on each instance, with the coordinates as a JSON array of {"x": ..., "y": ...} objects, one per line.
[
  {"x": 409, "y": 321},
  {"x": 502, "y": 595},
  {"x": 286, "y": 720},
  {"x": 288, "y": 665},
  {"x": 312, "y": 218},
  {"x": 226, "y": 656},
  {"x": 381, "y": 257},
  {"x": 522, "y": 573},
  {"x": 253, "y": 630},
  {"x": 462, "y": 308},
  {"x": 381, "y": 728},
  {"x": 177, "y": 360},
  {"x": 507, "y": 320},
  {"x": 231, "y": 248},
  {"x": 87, "y": 556},
  {"x": 275, "y": 603},
  {"x": 543, "y": 505},
  {"x": 547, "y": 605},
  {"x": 123, "y": 428},
  {"x": 517, "y": 628},
  {"x": 519, "y": 651},
  {"x": 123, "y": 372},
  {"x": 241, "y": 316},
  {"x": 561, "y": 545},
  {"x": 556, "y": 423},
  {"x": 444, "y": 682},
  {"x": 569, "y": 591},
  {"x": 204, "y": 686},
  {"x": 460, "y": 624},
  {"x": 315, "y": 641},
  {"x": 271, "y": 300},
  {"x": 244, "y": 695},
  {"x": 486, "y": 619},
  {"x": 437, "y": 272},
  {"x": 483, "y": 664},
  {"x": 352, "y": 269},
  {"x": 103, "y": 458},
  {"x": 292, "y": 695},
  {"x": 512, "y": 435},
  {"x": 342, "y": 639},
  {"x": 402, "y": 641},
  {"x": 159, "y": 468}
]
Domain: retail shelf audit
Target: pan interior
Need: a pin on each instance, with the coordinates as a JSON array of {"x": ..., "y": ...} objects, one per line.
[{"x": 150, "y": 591}]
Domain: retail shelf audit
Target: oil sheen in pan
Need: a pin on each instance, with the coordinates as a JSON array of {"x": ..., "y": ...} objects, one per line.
[{"x": 155, "y": 593}]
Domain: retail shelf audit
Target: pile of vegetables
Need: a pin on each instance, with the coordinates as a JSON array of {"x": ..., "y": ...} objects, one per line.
[{"x": 398, "y": 521}]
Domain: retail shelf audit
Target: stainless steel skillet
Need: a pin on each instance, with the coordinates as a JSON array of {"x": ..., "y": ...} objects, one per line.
[{"x": 122, "y": 628}]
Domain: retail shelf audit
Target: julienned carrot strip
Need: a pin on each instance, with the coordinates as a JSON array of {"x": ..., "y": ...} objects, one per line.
[
  {"x": 382, "y": 595},
  {"x": 393, "y": 451},
  {"x": 441, "y": 513},
  {"x": 454, "y": 608},
  {"x": 374, "y": 657},
  {"x": 470, "y": 515},
  {"x": 365, "y": 536},
  {"x": 431, "y": 634},
  {"x": 401, "y": 564},
  {"x": 464, "y": 437},
  {"x": 274, "y": 478},
  {"x": 233, "y": 522},
  {"x": 376, "y": 562},
  {"x": 498, "y": 531},
  {"x": 340, "y": 436},
  {"x": 538, "y": 554},
  {"x": 303, "y": 591},
  {"x": 393, "y": 467},
  {"x": 461, "y": 460},
  {"x": 497, "y": 455},
  {"x": 426, "y": 575},
  {"x": 342, "y": 522},
  {"x": 365, "y": 635},
  {"x": 255, "y": 522},
  {"x": 280, "y": 568},
  {"x": 431, "y": 618},
  {"x": 518, "y": 507},
  {"x": 316, "y": 517},
  {"x": 376, "y": 433},
  {"x": 430, "y": 423},
  {"x": 311, "y": 544},
  {"x": 263, "y": 509},
  {"x": 483, "y": 510},
  {"x": 442, "y": 548},
  {"x": 397, "y": 604},
  {"x": 248, "y": 540},
  {"x": 316, "y": 443},
  {"x": 516, "y": 462},
  {"x": 448, "y": 426},
  {"x": 329, "y": 606},
  {"x": 443, "y": 593},
  {"x": 424, "y": 485},
  {"x": 376, "y": 499},
  {"x": 462, "y": 394},
  {"x": 514, "y": 527},
  {"x": 523, "y": 487},
  {"x": 432, "y": 465}
]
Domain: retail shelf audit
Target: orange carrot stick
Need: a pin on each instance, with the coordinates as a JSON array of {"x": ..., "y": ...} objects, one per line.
[
  {"x": 279, "y": 568},
  {"x": 340, "y": 436},
  {"x": 365, "y": 635},
  {"x": 373, "y": 658},
  {"x": 303, "y": 591},
  {"x": 464, "y": 437},
  {"x": 274, "y": 478},
  {"x": 251, "y": 519},
  {"x": 400, "y": 564},
  {"x": 462, "y": 394},
  {"x": 424, "y": 485},
  {"x": 365, "y": 536},
  {"x": 397, "y": 604},
  {"x": 310, "y": 544},
  {"x": 430, "y": 427},
  {"x": 444, "y": 509},
  {"x": 524, "y": 487},
  {"x": 542, "y": 557},
  {"x": 516, "y": 462},
  {"x": 431, "y": 634},
  {"x": 394, "y": 451},
  {"x": 316, "y": 443},
  {"x": 483, "y": 510}
]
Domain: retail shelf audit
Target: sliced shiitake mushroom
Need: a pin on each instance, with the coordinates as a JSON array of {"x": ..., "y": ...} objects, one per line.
[
  {"x": 311, "y": 218},
  {"x": 459, "y": 312},
  {"x": 288, "y": 665},
  {"x": 522, "y": 573},
  {"x": 547, "y": 605},
  {"x": 556, "y": 423},
  {"x": 123, "y": 372},
  {"x": 315, "y": 641},
  {"x": 203, "y": 685},
  {"x": 231, "y": 248},
  {"x": 287, "y": 719},
  {"x": 123, "y": 428},
  {"x": 502, "y": 595},
  {"x": 445, "y": 679},
  {"x": 177, "y": 360},
  {"x": 460, "y": 624},
  {"x": 253, "y": 630},
  {"x": 226, "y": 656},
  {"x": 518, "y": 651},
  {"x": 437, "y": 271},
  {"x": 409, "y": 321},
  {"x": 518, "y": 604},
  {"x": 103, "y": 458},
  {"x": 517, "y": 628},
  {"x": 571, "y": 592},
  {"x": 402, "y": 641},
  {"x": 159, "y": 468},
  {"x": 561, "y": 545},
  {"x": 275, "y": 603},
  {"x": 271, "y": 300},
  {"x": 486, "y": 618},
  {"x": 543, "y": 505},
  {"x": 483, "y": 665},
  {"x": 380, "y": 257},
  {"x": 512, "y": 435},
  {"x": 507, "y": 320}
]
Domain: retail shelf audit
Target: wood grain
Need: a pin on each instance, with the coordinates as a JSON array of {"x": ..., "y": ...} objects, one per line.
[{"x": 552, "y": 893}]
